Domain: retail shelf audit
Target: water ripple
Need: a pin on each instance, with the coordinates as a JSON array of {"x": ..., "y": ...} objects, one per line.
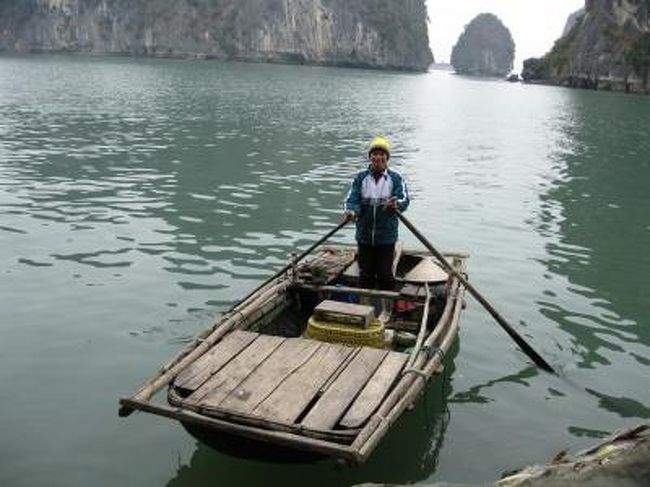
[{"x": 140, "y": 199}]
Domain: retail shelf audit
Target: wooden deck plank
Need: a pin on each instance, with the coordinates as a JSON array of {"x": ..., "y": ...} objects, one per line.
[
  {"x": 193, "y": 376},
  {"x": 212, "y": 392},
  {"x": 290, "y": 398},
  {"x": 374, "y": 391},
  {"x": 330, "y": 262},
  {"x": 284, "y": 360},
  {"x": 331, "y": 406},
  {"x": 352, "y": 272}
]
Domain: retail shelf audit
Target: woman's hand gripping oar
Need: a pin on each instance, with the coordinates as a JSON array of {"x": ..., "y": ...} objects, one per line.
[{"x": 523, "y": 344}]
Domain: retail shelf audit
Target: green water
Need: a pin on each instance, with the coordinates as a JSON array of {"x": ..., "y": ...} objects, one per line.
[{"x": 140, "y": 198}]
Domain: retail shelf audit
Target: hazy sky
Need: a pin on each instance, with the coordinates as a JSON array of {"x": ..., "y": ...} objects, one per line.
[{"x": 534, "y": 24}]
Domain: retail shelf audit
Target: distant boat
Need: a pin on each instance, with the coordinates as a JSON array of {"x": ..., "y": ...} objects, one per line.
[{"x": 304, "y": 368}]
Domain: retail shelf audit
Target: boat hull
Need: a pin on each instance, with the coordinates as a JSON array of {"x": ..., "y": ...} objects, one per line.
[
  {"x": 254, "y": 386},
  {"x": 250, "y": 449}
]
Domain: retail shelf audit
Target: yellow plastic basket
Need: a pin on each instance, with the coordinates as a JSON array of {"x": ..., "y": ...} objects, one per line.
[{"x": 373, "y": 336}]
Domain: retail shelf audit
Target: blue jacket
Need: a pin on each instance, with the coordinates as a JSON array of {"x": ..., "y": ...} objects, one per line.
[{"x": 376, "y": 225}]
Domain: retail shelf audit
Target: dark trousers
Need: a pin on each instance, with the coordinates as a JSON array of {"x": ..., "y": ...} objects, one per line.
[{"x": 376, "y": 266}]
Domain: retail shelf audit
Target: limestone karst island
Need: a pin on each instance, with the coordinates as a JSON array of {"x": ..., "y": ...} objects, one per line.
[
  {"x": 485, "y": 48},
  {"x": 316, "y": 243},
  {"x": 605, "y": 46},
  {"x": 362, "y": 33}
]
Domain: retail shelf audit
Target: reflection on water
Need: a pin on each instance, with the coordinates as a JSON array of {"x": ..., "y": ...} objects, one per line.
[
  {"x": 594, "y": 216},
  {"x": 473, "y": 395}
]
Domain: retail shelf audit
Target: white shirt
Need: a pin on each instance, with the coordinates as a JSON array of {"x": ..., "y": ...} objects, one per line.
[{"x": 377, "y": 190}]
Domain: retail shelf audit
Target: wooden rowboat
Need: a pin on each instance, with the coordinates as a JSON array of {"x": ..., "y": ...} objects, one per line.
[{"x": 312, "y": 364}]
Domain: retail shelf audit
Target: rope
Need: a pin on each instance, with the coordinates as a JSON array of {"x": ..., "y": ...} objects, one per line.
[
  {"x": 413, "y": 370},
  {"x": 432, "y": 351}
]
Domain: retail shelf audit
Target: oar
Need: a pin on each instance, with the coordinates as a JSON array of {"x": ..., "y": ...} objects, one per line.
[
  {"x": 294, "y": 261},
  {"x": 164, "y": 377},
  {"x": 479, "y": 297}
]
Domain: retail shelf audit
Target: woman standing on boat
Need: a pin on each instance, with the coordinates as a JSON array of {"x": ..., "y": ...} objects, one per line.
[{"x": 374, "y": 195}]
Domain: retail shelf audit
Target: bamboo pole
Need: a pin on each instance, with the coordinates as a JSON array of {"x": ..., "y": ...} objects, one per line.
[
  {"x": 338, "y": 436},
  {"x": 351, "y": 290},
  {"x": 454, "y": 290},
  {"x": 386, "y": 420},
  {"x": 167, "y": 373},
  {"x": 228, "y": 322},
  {"x": 408, "y": 382},
  {"x": 422, "y": 330},
  {"x": 269, "y": 436}
]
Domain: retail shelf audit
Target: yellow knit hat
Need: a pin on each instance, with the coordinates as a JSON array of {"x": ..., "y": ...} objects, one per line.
[{"x": 379, "y": 143}]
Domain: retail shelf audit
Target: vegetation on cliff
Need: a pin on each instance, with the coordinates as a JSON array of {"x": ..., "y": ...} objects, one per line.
[
  {"x": 395, "y": 20},
  {"x": 608, "y": 47},
  {"x": 637, "y": 55},
  {"x": 369, "y": 33},
  {"x": 558, "y": 57},
  {"x": 485, "y": 48}
]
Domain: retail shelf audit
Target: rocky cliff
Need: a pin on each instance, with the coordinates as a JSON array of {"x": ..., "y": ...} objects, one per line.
[
  {"x": 571, "y": 21},
  {"x": 485, "y": 48},
  {"x": 366, "y": 33},
  {"x": 608, "y": 47}
]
